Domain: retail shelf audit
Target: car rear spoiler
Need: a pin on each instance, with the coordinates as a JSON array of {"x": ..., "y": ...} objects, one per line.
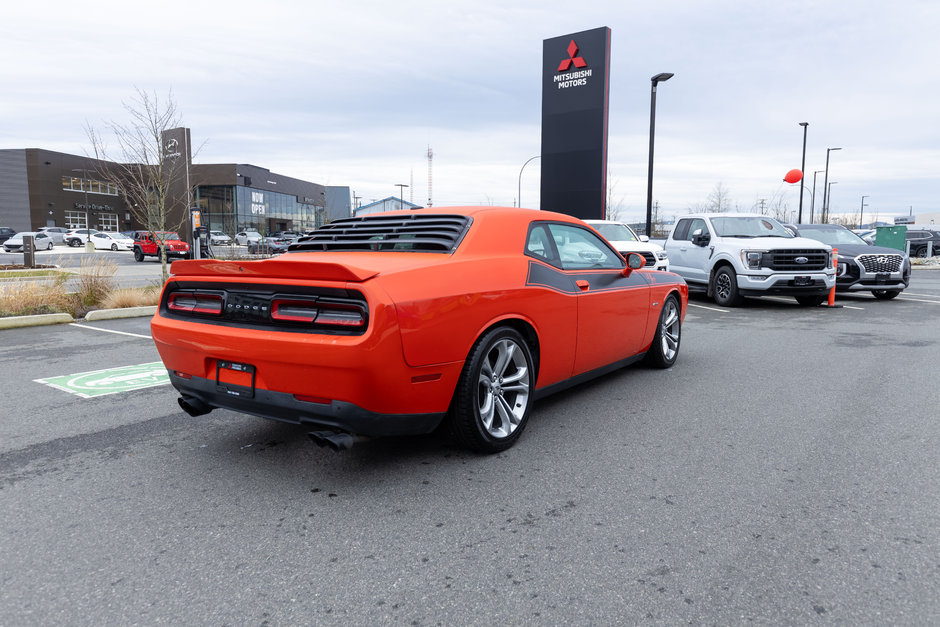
[{"x": 273, "y": 269}]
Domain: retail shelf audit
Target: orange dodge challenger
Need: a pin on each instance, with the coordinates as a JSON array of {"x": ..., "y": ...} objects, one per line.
[{"x": 389, "y": 324}]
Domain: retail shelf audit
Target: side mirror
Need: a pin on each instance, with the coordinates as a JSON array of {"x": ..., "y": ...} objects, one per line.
[
  {"x": 701, "y": 239},
  {"x": 644, "y": 238},
  {"x": 635, "y": 261}
]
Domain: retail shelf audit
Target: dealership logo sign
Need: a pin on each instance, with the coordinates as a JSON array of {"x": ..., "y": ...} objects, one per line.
[
  {"x": 172, "y": 149},
  {"x": 577, "y": 78}
]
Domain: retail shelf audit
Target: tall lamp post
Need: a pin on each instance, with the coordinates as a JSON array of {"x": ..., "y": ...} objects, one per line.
[
  {"x": 828, "y": 199},
  {"x": 812, "y": 206},
  {"x": 85, "y": 172},
  {"x": 655, "y": 80},
  {"x": 401, "y": 193},
  {"x": 825, "y": 207},
  {"x": 799, "y": 217},
  {"x": 519, "y": 197},
  {"x": 861, "y": 211}
]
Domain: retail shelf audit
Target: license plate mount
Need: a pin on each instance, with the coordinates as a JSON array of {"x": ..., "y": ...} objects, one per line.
[
  {"x": 803, "y": 281},
  {"x": 235, "y": 379}
]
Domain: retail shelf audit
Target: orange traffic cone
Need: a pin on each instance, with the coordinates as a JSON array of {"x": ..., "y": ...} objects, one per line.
[{"x": 835, "y": 266}]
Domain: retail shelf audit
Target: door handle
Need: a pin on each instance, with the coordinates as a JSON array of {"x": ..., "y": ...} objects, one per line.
[{"x": 583, "y": 285}]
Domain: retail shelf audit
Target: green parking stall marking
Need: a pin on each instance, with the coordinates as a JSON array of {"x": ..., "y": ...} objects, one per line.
[{"x": 111, "y": 380}]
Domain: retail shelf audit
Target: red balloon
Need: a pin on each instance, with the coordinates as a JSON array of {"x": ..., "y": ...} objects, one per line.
[{"x": 793, "y": 176}]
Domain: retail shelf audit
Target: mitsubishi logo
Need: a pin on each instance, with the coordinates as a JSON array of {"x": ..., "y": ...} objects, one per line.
[
  {"x": 172, "y": 145},
  {"x": 578, "y": 61}
]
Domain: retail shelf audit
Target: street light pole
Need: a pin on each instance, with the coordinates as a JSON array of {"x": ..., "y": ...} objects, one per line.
[
  {"x": 519, "y": 197},
  {"x": 401, "y": 192},
  {"x": 825, "y": 207},
  {"x": 861, "y": 211},
  {"x": 659, "y": 78},
  {"x": 799, "y": 219},
  {"x": 829, "y": 199},
  {"x": 812, "y": 206}
]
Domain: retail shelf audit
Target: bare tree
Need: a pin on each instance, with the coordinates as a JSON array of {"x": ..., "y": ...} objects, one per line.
[
  {"x": 719, "y": 200},
  {"x": 612, "y": 210},
  {"x": 144, "y": 167}
]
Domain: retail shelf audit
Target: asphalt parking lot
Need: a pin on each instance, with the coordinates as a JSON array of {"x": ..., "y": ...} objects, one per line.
[{"x": 783, "y": 471}]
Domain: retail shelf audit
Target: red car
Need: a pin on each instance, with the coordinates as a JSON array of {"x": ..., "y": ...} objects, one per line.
[
  {"x": 147, "y": 244},
  {"x": 389, "y": 324}
]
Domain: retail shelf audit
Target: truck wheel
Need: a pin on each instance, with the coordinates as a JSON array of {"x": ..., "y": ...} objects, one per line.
[
  {"x": 726, "y": 288},
  {"x": 138, "y": 254},
  {"x": 810, "y": 301},
  {"x": 665, "y": 347},
  {"x": 885, "y": 294},
  {"x": 921, "y": 252}
]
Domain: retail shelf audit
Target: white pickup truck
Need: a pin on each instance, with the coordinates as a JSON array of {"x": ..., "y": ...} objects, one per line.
[{"x": 733, "y": 255}]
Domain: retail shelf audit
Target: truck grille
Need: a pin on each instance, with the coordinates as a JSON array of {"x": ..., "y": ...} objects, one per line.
[
  {"x": 793, "y": 260},
  {"x": 880, "y": 263}
]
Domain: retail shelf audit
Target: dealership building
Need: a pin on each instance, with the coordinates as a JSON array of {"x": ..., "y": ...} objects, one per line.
[{"x": 46, "y": 188}]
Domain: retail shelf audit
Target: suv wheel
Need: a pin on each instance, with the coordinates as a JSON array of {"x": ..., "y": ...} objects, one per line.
[
  {"x": 885, "y": 294},
  {"x": 74, "y": 242},
  {"x": 725, "y": 290},
  {"x": 811, "y": 301},
  {"x": 138, "y": 254}
]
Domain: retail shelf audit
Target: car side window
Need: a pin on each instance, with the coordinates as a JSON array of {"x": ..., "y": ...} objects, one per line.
[
  {"x": 581, "y": 249},
  {"x": 697, "y": 227},
  {"x": 682, "y": 230},
  {"x": 538, "y": 244}
]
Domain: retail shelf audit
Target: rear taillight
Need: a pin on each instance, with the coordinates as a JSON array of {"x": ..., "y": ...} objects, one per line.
[
  {"x": 319, "y": 312},
  {"x": 195, "y": 302}
]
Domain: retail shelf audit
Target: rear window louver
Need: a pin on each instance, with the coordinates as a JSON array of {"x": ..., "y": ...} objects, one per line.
[{"x": 406, "y": 233}]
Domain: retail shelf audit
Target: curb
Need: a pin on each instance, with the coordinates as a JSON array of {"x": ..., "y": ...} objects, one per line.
[
  {"x": 14, "y": 322},
  {"x": 126, "y": 312}
]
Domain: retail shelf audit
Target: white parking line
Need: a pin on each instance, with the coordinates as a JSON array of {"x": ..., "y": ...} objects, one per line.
[
  {"x": 83, "y": 326},
  {"x": 851, "y": 307},
  {"x": 920, "y": 300},
  {"x": 710, "y": 308},
  {"x": 926, "y": 295}
]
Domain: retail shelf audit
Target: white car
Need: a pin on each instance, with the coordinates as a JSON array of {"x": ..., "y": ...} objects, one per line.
[
  {"x": 41, "y": 241},
  {"x": 57, "y": 233},
  {"x": 218, "y": 238},
  {"x": 77, "y": 237},
  {"x": 625, "y": 240},
  {"x": 104, "y": 240},
  {"x": 243, "y": 237}
]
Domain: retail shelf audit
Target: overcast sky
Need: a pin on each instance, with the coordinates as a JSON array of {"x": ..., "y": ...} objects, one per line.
[{"x": 353, "y": 93}]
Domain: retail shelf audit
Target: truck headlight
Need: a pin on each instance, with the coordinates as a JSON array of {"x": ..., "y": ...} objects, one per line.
[
  {"x": 661, "y": 254},
  {"x": 752, "y": 258}
]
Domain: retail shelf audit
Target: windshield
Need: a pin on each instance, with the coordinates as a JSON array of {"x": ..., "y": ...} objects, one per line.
[
  {"x": 167, "y": 236},
  {"x": 616, "y": 232},
  {"x": 749, "y": 226},
  {"x": 833, "y": 237}
]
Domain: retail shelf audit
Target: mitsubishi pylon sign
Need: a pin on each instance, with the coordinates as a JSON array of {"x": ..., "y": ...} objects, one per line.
[{"x": 575, "y": 87}]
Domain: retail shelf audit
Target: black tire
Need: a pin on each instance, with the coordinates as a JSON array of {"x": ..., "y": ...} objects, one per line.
[
  {"x": 50, "y": 246},
  {"x": 885, "y": 294},
  {"x": 494, "y": 396},
  {"x": 665, "y": 348},
  {"x": 114, "y": 247},
  {"x": 74, "y": 242},
  {"x": 138, "y": 254},
  {"x": 810, "y": 301},
  {"x": 725, "y": 289},
  {"x": 921, "y": 252}
]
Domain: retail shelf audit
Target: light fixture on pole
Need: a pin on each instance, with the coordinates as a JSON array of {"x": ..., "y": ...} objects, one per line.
[
  {"x": 659, "y": 78},
  {"x": 825, "y": 206},
  {"x": 799, "y": 218},
  {"x": 401, "y": 192},
  {"x": 812, "y": 206},
  {"x": 519, "y": 197},
  {"x": 861, "y": 211}
]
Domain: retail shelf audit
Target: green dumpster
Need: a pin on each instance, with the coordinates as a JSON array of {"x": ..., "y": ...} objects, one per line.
[{"x": 891, "y": 236}]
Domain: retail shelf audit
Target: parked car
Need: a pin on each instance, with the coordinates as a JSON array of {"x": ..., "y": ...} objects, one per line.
[
  {"x": 111, "y": 241},
  {"x": 147, "y": 244},
  {"x": 6, "y": 233},
  {"x": 862, "y": 267},
  {"x": 243, "y": 237},
  {"x": 286, "y": 234},
  {"x": 394, "y": 323},
  {"x": 41, "y": 241},
  {"x": 268, "y": 245},
  {"x": 625, "y": 240},
  {"x": 919, "y": 238},
  {"x": 57, "y": 233},
  {"x": 868, "y": 235},
  {"x": 77, "y": 237},
  {"x": 218, "y": 238}
]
